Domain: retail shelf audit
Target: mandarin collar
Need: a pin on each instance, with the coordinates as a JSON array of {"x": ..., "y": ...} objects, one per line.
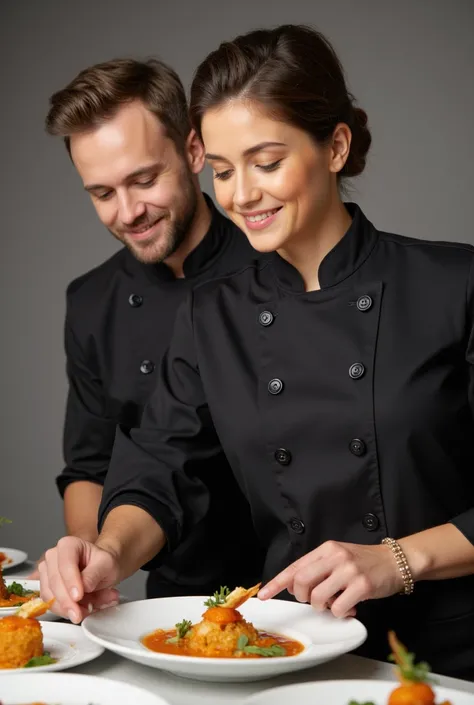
[
  {"x": 202, "y": 257},
  {"x": 340, "y": 262}
]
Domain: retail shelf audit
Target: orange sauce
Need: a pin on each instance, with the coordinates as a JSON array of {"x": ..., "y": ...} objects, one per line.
[
  {"x": 16, "y": 600},
  {"x": 157, "y": 641},
  {"x": 4, "y": 558}
]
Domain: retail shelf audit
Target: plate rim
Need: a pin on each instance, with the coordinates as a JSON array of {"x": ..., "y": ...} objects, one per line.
[{"x": 14, "y": 564}]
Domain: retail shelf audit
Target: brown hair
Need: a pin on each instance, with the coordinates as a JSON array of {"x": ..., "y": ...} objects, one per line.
[
  {"x": 294, "y": 71},
  {"x": 99, "y": 91}
]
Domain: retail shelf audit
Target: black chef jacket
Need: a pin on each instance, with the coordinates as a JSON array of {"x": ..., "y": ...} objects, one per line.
[
  {"x": 118, "y": 324},
  {"x": 346, "y": 413}
]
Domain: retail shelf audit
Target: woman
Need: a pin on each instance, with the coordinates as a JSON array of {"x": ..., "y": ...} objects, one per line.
[{"x": 336, "y": 373}]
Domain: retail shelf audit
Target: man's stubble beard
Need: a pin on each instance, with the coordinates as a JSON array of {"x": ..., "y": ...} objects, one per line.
[{"x": 176, "y": 232}]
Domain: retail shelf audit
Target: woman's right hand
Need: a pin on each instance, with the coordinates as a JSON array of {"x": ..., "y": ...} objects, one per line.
[{"x": 80, "y": 576}]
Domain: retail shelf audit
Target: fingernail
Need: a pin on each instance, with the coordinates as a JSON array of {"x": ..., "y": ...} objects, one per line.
[
  {"x": 72, "y": 616},
  {"x": 75, "y": 593},
  {"x": 263, "y": 594}
]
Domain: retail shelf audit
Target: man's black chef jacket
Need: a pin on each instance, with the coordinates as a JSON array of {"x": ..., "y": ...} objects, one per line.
[
  {"x": 346, "y": 414},
  {"x": 118, "y": 325}
]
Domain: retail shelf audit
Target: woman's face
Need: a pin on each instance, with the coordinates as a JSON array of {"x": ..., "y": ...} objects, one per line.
[{"x": 271, "y": 178}]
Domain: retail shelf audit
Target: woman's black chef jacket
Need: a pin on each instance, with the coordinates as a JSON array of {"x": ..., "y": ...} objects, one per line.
[
  {"x": 345, "y": 413},
  {"x": 118, "y": 325}
]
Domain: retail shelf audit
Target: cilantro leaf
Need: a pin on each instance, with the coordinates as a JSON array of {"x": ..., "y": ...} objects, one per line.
[
  {"x": 268, "y": 651},
  {"x": 218, "y": 598},
  {"x": 43, "y": 660},
  {"x": 242, "y": 642},
  {"x": 182, "y": 628},
  {"x": 16, "y": 589}
]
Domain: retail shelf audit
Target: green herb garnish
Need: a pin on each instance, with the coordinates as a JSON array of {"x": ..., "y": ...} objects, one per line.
[
  {"x": 182, "y": 628},
  {"x": 218, "y": 598},
  {"x": 405, "y": 660},
  {"x": 17, "y": 589},
  {"x": 4, "y": 521},
  {"x": 356, "y": 702},
  {"x": 44, "y": 660},
  {"x": 268, "y": 651}
]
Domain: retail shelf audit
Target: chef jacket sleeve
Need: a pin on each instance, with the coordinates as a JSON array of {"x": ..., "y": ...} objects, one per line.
[
  {"x": 88, "y": 434},
  {"x": 465, "y": 521},
  {"x": 159, "y": 466}
]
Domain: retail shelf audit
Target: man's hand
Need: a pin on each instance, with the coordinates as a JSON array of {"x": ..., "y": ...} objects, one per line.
[
  {"x": 80, "y": 576},
  {"x": 338, "y": 576}
]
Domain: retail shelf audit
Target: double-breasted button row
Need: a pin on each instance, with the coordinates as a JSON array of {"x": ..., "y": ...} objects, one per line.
[{"x": 146, "y": 366}]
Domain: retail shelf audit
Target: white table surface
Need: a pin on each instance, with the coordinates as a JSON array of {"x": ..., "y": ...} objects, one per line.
[{"x": 180, "y": 691}]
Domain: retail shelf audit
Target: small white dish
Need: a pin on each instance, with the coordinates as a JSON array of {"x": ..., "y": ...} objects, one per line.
[
  {"x": 27, "y": 585},
  {"x": 13, "y": 558},
  {"x": 341, "y": 692},
  {"x": 121, "y": 628},
  {"x": 74, "y": 689},
  {"x": 65, "y": 642}
]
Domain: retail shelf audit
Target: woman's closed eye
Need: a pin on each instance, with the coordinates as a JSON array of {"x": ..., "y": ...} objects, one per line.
[{"x": 227, "y": 173}]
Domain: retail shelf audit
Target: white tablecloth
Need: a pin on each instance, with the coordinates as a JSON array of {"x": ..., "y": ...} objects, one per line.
[{"x": 179, "y": 691}]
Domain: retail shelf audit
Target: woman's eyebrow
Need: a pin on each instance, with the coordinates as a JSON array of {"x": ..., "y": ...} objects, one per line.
[{"x": 251, "y": 150}]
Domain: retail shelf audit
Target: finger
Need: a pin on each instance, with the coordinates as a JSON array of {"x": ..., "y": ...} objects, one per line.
[
  {"x": 70, "y": 553},
  {"x": 327, "y": 591},
  {"x": 67, "y": 606},
  {"x": 357, "y": 591},
  {"x": 284, "y": 580},
  {"x": 46, "y": 593},
  {"x": 308, "y": 578}
]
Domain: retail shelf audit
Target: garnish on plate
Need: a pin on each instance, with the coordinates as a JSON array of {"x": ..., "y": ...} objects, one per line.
[
  {"x": 267, "y": 651},
  {"x": 182, "y": 628},
  {"x": 218, "y": 598},
  {"x": 44, "y": 660}
]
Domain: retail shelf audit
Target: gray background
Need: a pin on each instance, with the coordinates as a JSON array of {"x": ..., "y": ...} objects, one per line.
[{"x": 411, "y": 66}]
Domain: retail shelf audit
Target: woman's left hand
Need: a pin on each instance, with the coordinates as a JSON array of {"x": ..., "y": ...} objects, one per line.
[{"x": 339, "y": 576}]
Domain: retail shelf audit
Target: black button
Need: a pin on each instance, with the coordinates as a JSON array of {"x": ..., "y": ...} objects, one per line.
[
  {"x": 356, "y": 370},
  {"x": 357, "y": 447},
  {"x": 370, "y": 522},
  {"x": 266, "y": 318},
  {"x": 283, "y": 456},
  {"x": 275, "y": 386},
  {"x": 364, "y": 302},
  {"x": 147, "y": 367},
  {"x": 135, "y": 300},
  {"x": 297, "y": 526}
]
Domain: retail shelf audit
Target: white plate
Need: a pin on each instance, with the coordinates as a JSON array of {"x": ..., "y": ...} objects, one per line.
[
  {"x": 342, "y": 692},
  {"x": 73, "y": 689},
  {"x": 28, "y": 585},
  {"x": 67, "y": 643},
  {"x": 121, "y": 628},
  {"x": 14, "y": 557}
]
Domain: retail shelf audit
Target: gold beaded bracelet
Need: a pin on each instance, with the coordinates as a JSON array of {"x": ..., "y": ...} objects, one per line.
[{"x": 402, "y": 563}]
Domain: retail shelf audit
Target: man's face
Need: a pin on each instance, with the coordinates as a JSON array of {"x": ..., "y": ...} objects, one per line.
[{"x": 143, "y": 190}]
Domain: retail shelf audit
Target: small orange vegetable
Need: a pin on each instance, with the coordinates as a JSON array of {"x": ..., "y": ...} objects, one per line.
[
  {"x": 222, "y": 615},
  {"x": 412, "y": 694}
]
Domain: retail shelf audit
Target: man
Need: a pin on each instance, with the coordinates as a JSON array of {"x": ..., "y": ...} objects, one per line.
[{"x": 125, "y": 125}]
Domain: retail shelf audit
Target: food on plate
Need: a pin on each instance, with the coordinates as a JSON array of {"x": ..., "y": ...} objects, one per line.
[
  {"x": 14, "y": 594},
  {"x": 223, "y": 632},
  {"x": 414, "y": 688},
  {"x": 21, "y": 637}
]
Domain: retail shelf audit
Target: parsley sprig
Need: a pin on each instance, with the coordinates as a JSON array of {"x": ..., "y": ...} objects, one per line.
[
  {"x": 182, "y": 628},
  {"x": 218, "y": 598},
  {"x": 405, "y": 660},
  {"x": 43, "y": 660},
  {"x": 268, "y": 651},
  {"x": 4, "y": 521},
  {"x": 16, "y": 589}
]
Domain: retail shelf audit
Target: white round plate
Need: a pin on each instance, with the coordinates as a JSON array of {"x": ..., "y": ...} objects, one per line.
[
  {"x": 67, "y": 643},
  {"x": 74, "y": 689},
  {"x": 342, "y": 692},
  {"x": 28, "y": 585},
  {"x": 14, "y": 557},
  {"x": 121, "y": 628}
]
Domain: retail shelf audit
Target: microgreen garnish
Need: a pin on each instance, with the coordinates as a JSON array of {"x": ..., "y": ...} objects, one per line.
[
  {"x": 268, "y": 651},
  {"x": 182, "y": 628},
  {"x": 43, "y": 660},
  {"x": 219, "y": 598},
  {"x": 405, "y": 660},
  {"x": 16, "y": 589}
]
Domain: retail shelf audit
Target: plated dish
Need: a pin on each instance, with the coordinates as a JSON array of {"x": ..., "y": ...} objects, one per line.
[
  {"x": 27, "y": 644},
  {"x": 72, "y": 689},
  {"x": 11, "y": 557},
  {"x": 415, "y": 687},
  {"x": 261, "y": 640},
  {"x": 25, "y": 589}
]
